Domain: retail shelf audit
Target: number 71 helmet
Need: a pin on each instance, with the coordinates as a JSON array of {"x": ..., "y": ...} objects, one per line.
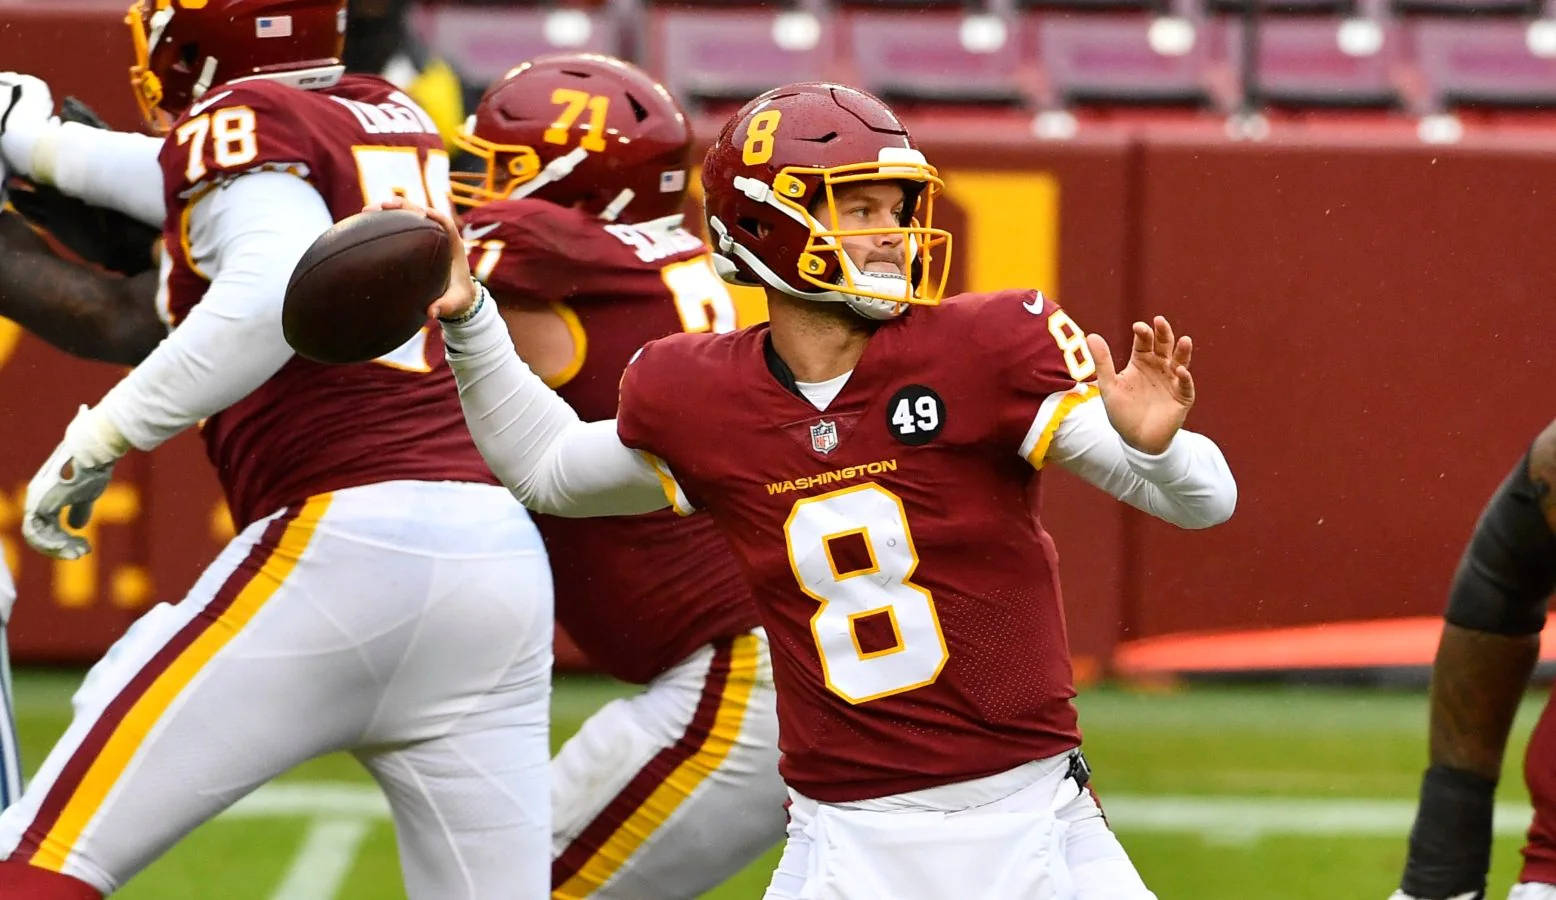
[
  {"x": 578, "y": 129},
  {"x": 184, "y": 47},
  {"x": 770, "y": 182}
]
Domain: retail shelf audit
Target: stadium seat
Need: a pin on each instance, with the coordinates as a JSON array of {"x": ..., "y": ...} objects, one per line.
[
  {"x": 1467, "y": 7},
  {"x": 1487, "y": 63},
  {"x": 488, "y": 40},
  {"x": 937, "y": 56},
  {"x": 733, "y": 54},
  {"x": 1324, "y": 62},
  {"x": 1157, "y": 6},
  {"x": 1282, "y": 8},
  {"x": 1117, "y": 59},
  {"x": 974, "y": 5}
]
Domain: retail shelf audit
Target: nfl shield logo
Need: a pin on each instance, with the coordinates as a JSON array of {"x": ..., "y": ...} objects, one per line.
[{"x": 823, "y": 436}]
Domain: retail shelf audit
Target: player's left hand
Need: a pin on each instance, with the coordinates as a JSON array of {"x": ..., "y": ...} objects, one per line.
[
  {"x": 1148, "y": 401},
  {"x": 72, "y": 478}
]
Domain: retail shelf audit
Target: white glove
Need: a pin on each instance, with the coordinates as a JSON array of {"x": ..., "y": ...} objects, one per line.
[
  {"x": 26, "y": 116},
  {"x": 90, "y": 448},
  {"x": 1469, "y": 895}
]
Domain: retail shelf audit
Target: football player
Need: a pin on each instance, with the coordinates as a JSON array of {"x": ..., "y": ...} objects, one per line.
[
  {"x": 574, "y": 224},
  {"x": 1488, "y": 649},
  {"x": 382, "y": 595},
  {"x": 868, "y": 455}
]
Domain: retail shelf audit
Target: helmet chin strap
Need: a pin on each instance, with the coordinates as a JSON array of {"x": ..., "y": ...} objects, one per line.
[
  {"x": 614, "y": 208},
  {"x": 207, "y": 77},
  {"x": 888, "y": 283},
  {"x": 726, "y": 246},
  {"x": 555, "y": 171}
]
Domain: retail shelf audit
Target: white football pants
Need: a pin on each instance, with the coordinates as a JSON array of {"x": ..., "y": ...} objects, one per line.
[
  {"x": 1030, "y": 833},
  {"x": 665, "y": 794},
  {"x": 408, "y": 622}
]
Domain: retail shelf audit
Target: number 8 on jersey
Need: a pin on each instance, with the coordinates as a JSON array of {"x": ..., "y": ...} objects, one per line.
[{"x": 882, "y": 588}]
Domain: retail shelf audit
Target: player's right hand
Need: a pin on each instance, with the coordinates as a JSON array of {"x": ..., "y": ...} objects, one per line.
[
  {"x": 26, "y": 112},
  {"x": 461, "y": 293}
]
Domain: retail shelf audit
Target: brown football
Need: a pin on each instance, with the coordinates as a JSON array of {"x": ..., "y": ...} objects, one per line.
[{"x": 364, "y": 286}]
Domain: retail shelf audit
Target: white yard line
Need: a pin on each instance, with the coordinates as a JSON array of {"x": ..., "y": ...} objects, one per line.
[
  {"x": 1219, "y": 816},
  {"x": 321, "y": 866},
  {"x": 1250, "y": 818},
  {"x": 335, "y": 799}
]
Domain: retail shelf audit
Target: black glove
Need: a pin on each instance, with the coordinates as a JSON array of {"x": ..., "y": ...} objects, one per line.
[
  {"x": 103, "y": 236},
  {"x": 1450, "y": 843}
]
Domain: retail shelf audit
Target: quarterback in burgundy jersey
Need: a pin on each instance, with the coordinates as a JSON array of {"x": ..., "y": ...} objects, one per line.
[
  {"x": 868, "y": 453},
  {"x": 584, "y": 252},
  {"x": 383, "y": 594}
]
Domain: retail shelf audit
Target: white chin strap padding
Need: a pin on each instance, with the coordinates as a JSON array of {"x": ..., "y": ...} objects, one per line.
[
  {"x": 207, "y": 78},
  {"x": 614, "y": 208},
  {"x": 555, "y": 171}
]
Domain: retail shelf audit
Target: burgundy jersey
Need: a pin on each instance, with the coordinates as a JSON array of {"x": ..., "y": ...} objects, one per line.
[
  {"x": 1540, "y": 775},
  {"x": 909, "y": 593},
  {"x": 636, "y": 593},
  {"x": 314, "y": 428}
]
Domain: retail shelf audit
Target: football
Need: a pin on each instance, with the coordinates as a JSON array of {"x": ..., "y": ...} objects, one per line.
[{"x": 364, "y": 286}]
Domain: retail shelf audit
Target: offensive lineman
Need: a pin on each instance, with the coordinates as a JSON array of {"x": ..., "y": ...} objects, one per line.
[
  {"x": 869, "y": 463},
  {"x": 381, "y": 595},
  {"x": 667, "y": 793},
  {"x": 655, "y": 600}
]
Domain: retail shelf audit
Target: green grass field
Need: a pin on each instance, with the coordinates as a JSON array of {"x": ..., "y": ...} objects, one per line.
[{"x": 1218, "y": 792}]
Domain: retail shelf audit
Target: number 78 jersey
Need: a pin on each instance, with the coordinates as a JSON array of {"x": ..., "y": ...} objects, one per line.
[
  {"x": 313, "y": 428},
  {"x": 910, "y": 594}
]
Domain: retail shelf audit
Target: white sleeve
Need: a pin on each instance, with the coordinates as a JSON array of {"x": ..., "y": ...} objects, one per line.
[
  {"x": 1188, "y": 484},
  {"x": 113, "y": 169},
  {"x": 533, "y": 441},
  {"x": 246, "y": 236}
]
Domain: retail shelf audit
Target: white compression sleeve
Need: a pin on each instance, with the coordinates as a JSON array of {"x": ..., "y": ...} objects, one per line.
[
  {"x": 532, "y": 440},
  {"x": 1189, "y": 484},
  {"x": 113, "y": 169},
  {"x": 247, "y": 236}
]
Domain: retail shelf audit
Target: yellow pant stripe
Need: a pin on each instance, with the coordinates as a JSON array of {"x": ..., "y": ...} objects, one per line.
[
  {"x": 681, "y": 783},
  {"x": 138, "y": 722}
]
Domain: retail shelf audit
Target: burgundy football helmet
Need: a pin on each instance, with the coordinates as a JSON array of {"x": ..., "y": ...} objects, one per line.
[
  {"x": 769, "y": 183},
  {"x": 183, "y": 47},
  {"x": 578, "y": 129}
]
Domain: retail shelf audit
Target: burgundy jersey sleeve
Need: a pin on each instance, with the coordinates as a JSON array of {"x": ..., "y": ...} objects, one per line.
[
  {"x": 1043, "y": 368},
  {"x": 654, "y": 389},
  {"x": 521, "y": 250},
  {"x": 236, "y": 129}
]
